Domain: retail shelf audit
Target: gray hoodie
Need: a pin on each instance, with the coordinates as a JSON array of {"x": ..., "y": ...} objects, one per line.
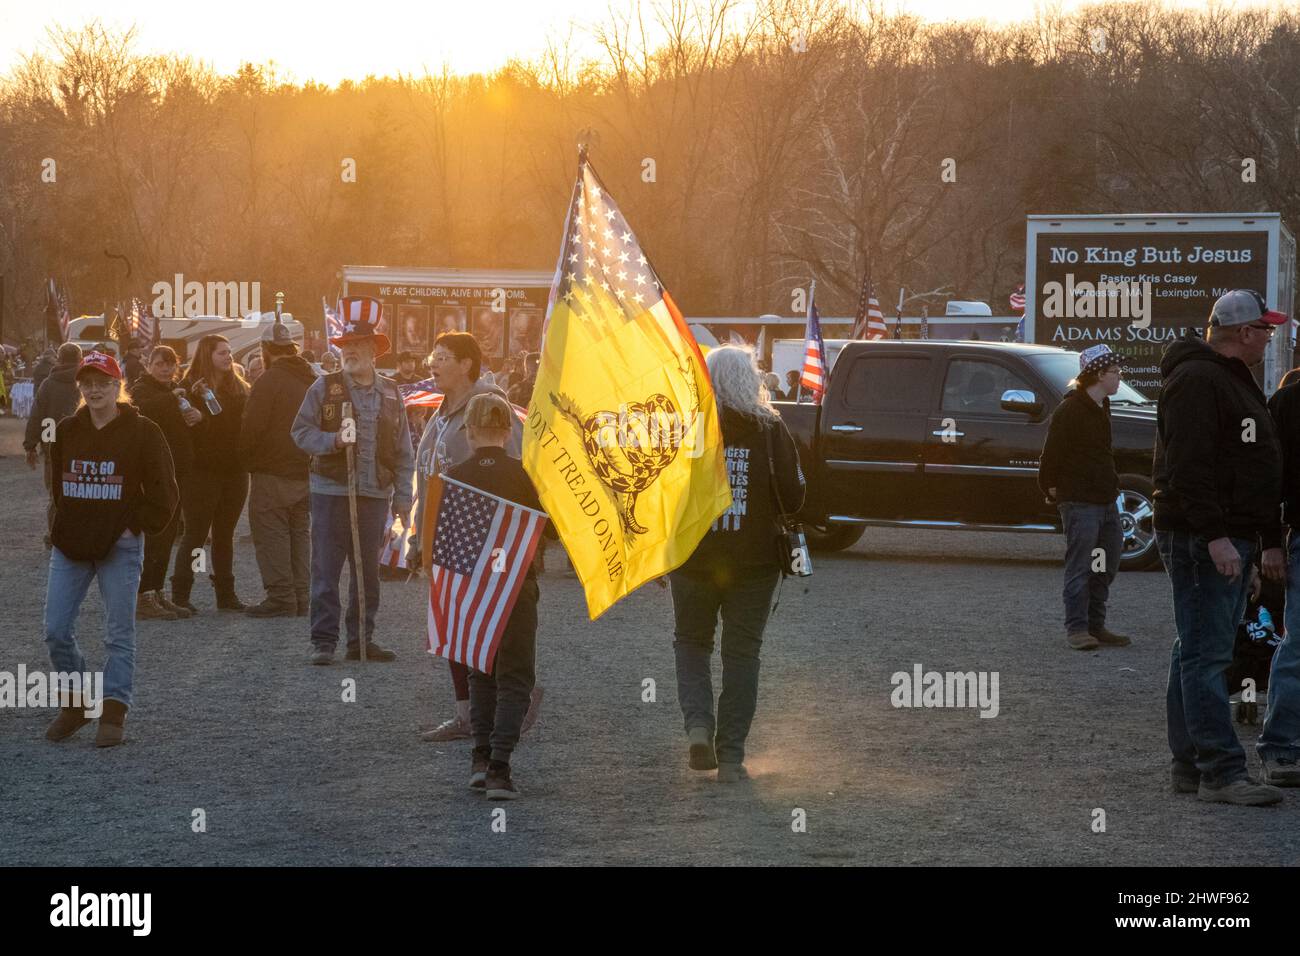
[{"x": 445, "y": 443}]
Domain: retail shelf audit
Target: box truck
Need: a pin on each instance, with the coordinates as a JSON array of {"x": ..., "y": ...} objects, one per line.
[{"x": 1140, "y": 282}]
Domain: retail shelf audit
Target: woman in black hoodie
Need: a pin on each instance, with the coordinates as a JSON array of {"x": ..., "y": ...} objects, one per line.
[
  {"x": 113, "y": 483},
  {"x": 735, "y": 569},
  {"x": 218, "y": 483},
  {"x": 158, "y": 395}
]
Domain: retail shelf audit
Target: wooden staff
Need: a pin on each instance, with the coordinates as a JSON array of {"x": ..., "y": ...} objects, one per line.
[{"x": 358, "y": 576}]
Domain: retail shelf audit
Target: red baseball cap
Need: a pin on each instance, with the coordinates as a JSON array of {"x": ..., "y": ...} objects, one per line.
[{"x": 100, "y": 362}]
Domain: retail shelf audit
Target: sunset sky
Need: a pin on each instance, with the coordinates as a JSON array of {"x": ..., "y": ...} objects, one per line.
[{"x": 335, "y": 39}]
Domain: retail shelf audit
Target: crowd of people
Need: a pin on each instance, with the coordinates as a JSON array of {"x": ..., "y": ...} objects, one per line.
[{"x": 153, "y": 468}]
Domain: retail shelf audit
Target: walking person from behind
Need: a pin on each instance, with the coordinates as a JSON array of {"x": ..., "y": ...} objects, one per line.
[
  {"x": 384, "y": 464},
  {"x": 160, "y": 398},
  {"x": 735, "y": 569},
  {"x": 499, "y": 702},
  {"x": 218, "y": 483},
  {"x": 279, "y": 499},
  {"x": 1077, "y": 474},
  {"x": 1218, "y": 488},
  {"x": 113, "y": 484}
]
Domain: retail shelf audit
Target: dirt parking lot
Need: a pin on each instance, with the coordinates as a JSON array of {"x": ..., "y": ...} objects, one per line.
[{"x": 229, "y": 718}]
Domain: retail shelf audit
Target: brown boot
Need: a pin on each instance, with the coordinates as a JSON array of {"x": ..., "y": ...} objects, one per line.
[
  {"x": 149, "y": 608},
  {"x": 180, "y": 612},
  {"x": 110, "y": 731},
  {"x": 72, "y": 717}
]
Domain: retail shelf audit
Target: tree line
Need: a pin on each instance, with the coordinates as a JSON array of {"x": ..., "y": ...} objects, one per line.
[{"x": 751, "y": 147}]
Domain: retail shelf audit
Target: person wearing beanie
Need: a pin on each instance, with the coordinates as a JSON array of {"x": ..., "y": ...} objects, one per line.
[
  {"x": 158, "y": 395},
  {"x": 113, "y": 484},
  {"x": 1077, "y": 474},
  {"x": 499, "y": 702},
  {"x": 279, "y": 500}
]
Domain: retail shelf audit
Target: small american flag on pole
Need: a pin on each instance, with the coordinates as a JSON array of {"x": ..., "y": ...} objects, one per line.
[
  {"x": 333, "y": 323},
  {"x": 870, "y": 321},
  {"x": 813, "y": 375},
  {"x": 425, "y": 394},
  {"x": 481, "y": 547}
]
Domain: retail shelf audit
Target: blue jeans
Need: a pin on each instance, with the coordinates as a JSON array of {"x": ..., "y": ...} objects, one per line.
[
  {"x": 1207, "y": 609},
  {"x": 331, "y": 547},
  {"x": 745, "y": 601},
  {"x": 1088, "y": 527},
  {"x": 119, "y": 579},
  {"x": 1281, "y": 734}
]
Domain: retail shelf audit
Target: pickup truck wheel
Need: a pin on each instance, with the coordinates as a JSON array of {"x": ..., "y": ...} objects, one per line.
[
  {"x": 835, "y": 537},
  {"x": 1135, "y": 524}
]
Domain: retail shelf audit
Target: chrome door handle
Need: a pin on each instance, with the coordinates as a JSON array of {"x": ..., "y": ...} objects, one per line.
[
  {"x": 846, "y": 428},
  {"x": 943, "y": 432}
]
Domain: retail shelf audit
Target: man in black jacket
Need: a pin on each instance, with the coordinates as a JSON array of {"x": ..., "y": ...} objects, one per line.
[
  {"x": 1077, "y": 472},
  {"x": 1218, "y": 487},
  {"x": 279, "y": 502},
  {"x": 56, "y": 398}
]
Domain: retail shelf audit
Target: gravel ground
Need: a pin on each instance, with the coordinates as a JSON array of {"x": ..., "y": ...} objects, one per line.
[{"x": 230, "y": 718}]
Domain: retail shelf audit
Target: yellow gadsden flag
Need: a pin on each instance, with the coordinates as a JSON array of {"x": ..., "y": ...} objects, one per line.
[{"x": 622, "y": 438}]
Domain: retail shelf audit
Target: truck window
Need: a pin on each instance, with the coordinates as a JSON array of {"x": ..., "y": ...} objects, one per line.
[
  {"x": 975, "y": 386},
  {"x": 889, "y": 384}
]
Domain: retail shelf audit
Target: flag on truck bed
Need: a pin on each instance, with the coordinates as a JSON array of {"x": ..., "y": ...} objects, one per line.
[
  {"x": 870, "y": 321},
  {"x": 622, "y": 439},
  {"x": 480, "y": 547},
  {"x": 813, "y": 374}
]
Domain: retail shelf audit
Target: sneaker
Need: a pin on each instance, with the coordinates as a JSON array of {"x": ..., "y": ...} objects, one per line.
[
  {"x": 1082, "y": 641},
  {"x": 374, "y": 653},
  {"x": 732, "y": 772},
  {"x": 498, "y": 784},
  {"x": 534, "y": 710},
  {"x": 147, "y": 608},
  {"x": 453, "y": 729},
  {"x": 269, "y": 608},
  {"x": 1243, "y": 793},
  {"x": 322, "y": 657},
  {"x": 701, "y": 756},
  {"x": 1282, "y": 772},
  {"x": 1109, "y": 638},
  {"x": 181, "y": 612},
  {"x": 478, "y": 768}
]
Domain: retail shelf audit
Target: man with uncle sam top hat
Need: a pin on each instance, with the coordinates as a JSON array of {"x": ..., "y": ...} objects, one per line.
[
  {"x": 1077, "y": 474},
  {"x": 383, "y": 477}
]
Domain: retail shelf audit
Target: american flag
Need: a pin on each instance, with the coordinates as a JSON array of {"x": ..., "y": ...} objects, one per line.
[
  {"x": 482, "y": 547},
  {"x": 142, "y": 324},
  {"x": 813, "y": 376},
  {"x": 425, "y": 394},
  {"x": 870, "y": 321},
  {"x": 1018, "y": 299},
  {"x": 333, "y": 323},
  {"x": 58, "y": 297}
]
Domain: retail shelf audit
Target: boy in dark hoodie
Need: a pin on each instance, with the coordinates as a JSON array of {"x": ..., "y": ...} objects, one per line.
[
  {"x": 1218, "y": 492},
  {"x": 279, "y": 501},
  {"x": 1077, "y": 473},
  {"x": 113, "y": 483}
]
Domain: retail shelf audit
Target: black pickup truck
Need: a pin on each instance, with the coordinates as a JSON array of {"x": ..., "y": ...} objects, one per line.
[{"x": 926, "y": 434}]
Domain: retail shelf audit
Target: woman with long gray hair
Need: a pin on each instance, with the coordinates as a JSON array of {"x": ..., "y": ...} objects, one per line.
[{"x": 735, "y": 569}]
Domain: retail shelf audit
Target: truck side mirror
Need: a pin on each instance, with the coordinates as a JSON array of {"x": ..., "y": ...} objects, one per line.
[{"x": 1021, "y": 400}]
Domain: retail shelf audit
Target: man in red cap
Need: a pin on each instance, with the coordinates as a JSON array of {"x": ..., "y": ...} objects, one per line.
[{"x": 385, "y": 466}]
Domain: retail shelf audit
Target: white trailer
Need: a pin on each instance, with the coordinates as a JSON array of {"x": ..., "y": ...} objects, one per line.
[{"x": 1179, "y": 263}]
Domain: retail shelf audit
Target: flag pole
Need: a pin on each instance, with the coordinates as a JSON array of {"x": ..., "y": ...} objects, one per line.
[
  {"x": 898, "y": 314},
  {"x": 358, "y": 575}
]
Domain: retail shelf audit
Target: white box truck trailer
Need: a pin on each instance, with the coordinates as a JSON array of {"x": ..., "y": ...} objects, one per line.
[{"x": 1180, "y": 263}]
